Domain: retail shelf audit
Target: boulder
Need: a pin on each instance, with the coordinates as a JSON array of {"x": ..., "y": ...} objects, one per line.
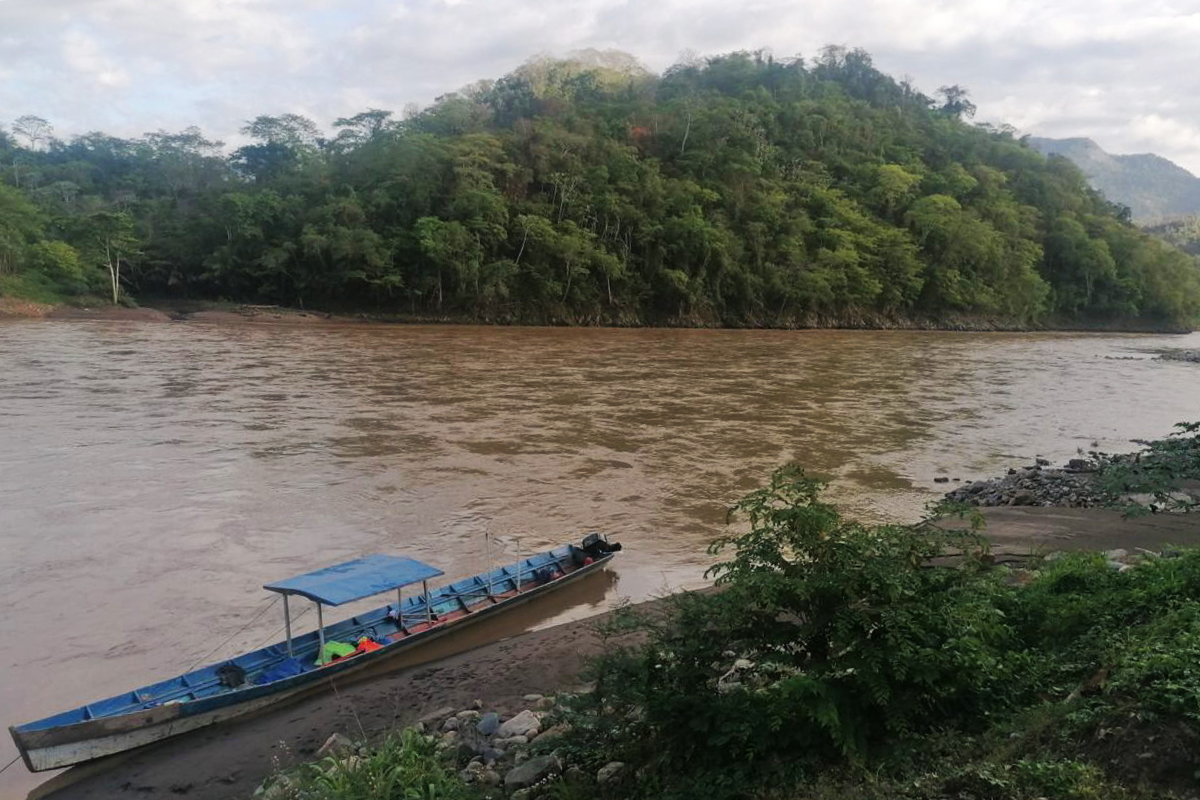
[
  {"x": 524, "y": 724},
  {"x": 488, "y": 723},
  {"x": 545, "y": 704},
  {"x": 609, "y": 771},
  {"x": 469, "y": 714},
  {"x": 1116, "y": 555},
  {"x": 450, "y": 724},
  {"x": 532, "y": 698},
  {"x": 532, "y": 771}
]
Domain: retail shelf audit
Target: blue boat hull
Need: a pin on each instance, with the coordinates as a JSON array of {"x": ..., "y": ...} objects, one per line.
[{"x": 88, "y": 733}]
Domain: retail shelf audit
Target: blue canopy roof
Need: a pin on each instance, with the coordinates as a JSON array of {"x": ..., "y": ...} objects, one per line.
[{"x": 356, "y": 579}]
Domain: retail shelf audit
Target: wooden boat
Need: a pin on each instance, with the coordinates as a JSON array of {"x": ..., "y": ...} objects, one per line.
[{"x": 261, "y": 678}]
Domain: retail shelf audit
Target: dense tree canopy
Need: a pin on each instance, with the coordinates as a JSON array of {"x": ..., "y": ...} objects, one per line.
[{"x": 737, "y": 190}]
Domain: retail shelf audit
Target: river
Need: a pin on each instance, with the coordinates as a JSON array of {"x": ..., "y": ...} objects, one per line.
[{"x": 154, "y": 475}]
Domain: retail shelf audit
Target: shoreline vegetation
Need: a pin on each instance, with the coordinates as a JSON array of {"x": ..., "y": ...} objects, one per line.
[
  {"x": 734, "y": 191},
  {"x": 838, "y": 660}
]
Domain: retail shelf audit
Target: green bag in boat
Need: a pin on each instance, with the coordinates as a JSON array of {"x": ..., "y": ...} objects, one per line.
[{"x": 334, "y": 650}]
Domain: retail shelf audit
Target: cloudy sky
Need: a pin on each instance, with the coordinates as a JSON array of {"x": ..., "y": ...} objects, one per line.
[{"x": 1124, "y": 72}]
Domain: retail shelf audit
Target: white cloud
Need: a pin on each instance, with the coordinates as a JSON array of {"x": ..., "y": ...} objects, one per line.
[{"x": 1120, "y": 71}]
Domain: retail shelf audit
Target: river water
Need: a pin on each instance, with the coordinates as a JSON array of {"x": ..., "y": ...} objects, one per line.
[{"x": 154, "y": 475}]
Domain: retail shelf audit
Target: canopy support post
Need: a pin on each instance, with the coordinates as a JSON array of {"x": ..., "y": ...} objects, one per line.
[
  {"x": 320, "y": 634},
  {"x": 287, "y": 624},
  {"x": 428, "y": 607}
]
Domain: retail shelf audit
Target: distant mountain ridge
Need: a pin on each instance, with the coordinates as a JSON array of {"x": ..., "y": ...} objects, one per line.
[{"x": 1154, "y": 188}]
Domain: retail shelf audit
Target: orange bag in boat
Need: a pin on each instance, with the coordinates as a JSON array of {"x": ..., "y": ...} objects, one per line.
[{"x": 367, "y": 645}]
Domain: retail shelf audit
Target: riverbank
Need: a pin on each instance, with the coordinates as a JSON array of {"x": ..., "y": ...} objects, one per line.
[
  {"x": 224, "y": 312},
  {"x": 231, "y": 760}
]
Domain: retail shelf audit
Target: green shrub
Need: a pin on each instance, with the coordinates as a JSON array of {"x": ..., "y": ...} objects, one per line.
[
  {"x": 402, "y": 767},
  {"x": 832, "y": 645}
]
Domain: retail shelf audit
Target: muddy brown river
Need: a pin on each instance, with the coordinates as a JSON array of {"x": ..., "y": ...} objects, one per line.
[{"x": 154, "y": 475}]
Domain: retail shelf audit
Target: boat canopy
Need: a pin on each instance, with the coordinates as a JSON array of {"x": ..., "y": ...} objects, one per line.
[{"x": 354, "y": 580}]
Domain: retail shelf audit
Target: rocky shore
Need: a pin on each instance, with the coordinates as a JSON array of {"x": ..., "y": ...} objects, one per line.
[
  {"x": 511, "y": 756},
  {"x": 1039, "y": 484},
  {"x": 1191, "y": 356}
]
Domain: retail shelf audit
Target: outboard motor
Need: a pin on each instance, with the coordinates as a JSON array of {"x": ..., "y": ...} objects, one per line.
[{"x": 597, "y": 546}]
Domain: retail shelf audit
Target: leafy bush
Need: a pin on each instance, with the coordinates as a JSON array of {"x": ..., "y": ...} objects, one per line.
[
  {"x": 402, "y": 767},
  {"x": 1162, "y": 470},
  {"x": 831, "y": 645}
]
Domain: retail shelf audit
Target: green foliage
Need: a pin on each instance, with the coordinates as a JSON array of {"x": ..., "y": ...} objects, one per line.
[
  {"x": 739, "y": 190},
  {"x": 835, "y": 659},
  {"x": 1166, "y": 470},
  {"x": 405, "y": 766}
]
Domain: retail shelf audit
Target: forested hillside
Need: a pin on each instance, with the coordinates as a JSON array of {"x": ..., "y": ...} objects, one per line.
[
  {"x": 1154, "y": 188},
  {"x": 740, "y": 190},
  {"x": 1183, "y": 233}
]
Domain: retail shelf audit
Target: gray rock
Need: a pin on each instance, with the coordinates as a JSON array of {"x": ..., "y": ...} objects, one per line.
[
  {"x": 469, "y": 714},
  {"x": 477, "y": 705},
  {"x": 523, "y": 724},
  {"x": 1116, "y": 555},
  {"x": 532, "y": 771},
  {"x": 488, "y": 723},
  {"x": 545, "y": 704},
  {"x": 472, "y": 740},
  {"x": 336, "y": 745},
  {"x": 1022, "y": 497},
  {"x": 489, "y": 777},
  {"x": 609, "y": 771},
  {"x": 532, "y": 698},
  {"x": 450, "y": 724}
]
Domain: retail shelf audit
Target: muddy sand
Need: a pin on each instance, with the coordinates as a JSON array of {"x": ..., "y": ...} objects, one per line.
[{"x": 489, "y": 663}]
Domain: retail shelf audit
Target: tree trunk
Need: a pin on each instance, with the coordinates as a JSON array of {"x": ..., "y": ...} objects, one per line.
[{"x": 114, "y": 271}]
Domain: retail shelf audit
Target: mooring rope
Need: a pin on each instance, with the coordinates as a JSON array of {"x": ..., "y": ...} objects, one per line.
[
  {"x": 9, "y": 764},
  {"x": 239, "y": 632}
]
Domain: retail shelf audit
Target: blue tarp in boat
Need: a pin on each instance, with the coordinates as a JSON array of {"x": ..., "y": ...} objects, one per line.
[{"x": 356, "y": 579}]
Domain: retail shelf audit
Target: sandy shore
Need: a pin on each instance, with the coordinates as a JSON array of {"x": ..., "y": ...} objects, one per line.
[{"x": 481, "y": 663}]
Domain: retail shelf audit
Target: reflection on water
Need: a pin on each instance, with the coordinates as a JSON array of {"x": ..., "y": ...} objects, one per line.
[{"x": 154, "y": 476}]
